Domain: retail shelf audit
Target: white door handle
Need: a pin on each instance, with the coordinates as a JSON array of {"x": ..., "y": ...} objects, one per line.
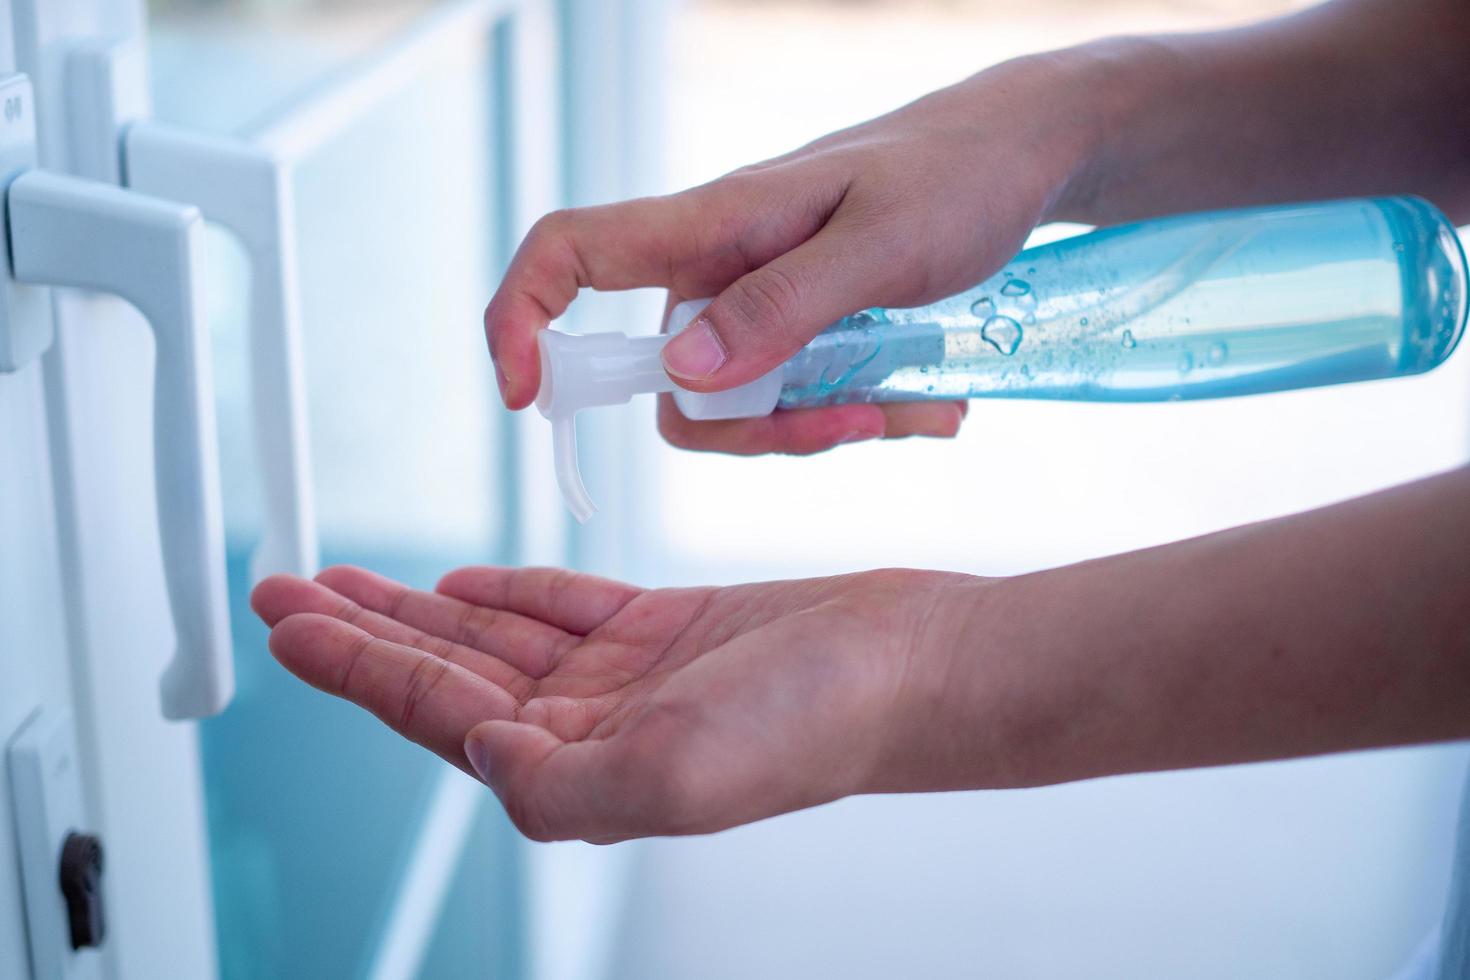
[
  {"x": 248, "y": 191},
  {"x": 65, "y": 231}
]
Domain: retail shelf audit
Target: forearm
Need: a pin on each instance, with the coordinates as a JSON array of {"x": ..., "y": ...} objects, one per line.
[
  {"x": 1355, "y": 97},
  {"x": 1341, "y": 628}
]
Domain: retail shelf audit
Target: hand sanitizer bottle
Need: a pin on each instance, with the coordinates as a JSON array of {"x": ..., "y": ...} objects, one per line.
[{"x": 1191, "y": 306}]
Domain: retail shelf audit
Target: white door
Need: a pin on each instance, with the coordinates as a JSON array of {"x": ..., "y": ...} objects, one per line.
[
  {"x": 90, "y": 616},
  {"x": 36, "y": 697},
  {"x": 305, "y": 206}
]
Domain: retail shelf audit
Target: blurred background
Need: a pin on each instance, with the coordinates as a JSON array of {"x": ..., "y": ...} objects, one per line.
[{"x": 321, "y": 823}]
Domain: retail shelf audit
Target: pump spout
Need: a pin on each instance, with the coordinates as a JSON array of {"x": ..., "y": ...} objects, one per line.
[
  {"x": 587, "y": 371},
  {"x": 568, "y": 472},
  {"x": 591, "y": 370}
]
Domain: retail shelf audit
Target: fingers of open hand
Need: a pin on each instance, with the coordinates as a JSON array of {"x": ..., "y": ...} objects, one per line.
[
  {"x": 421, "y": 696},
  {"x": 389, "y": 649},
  {"x": 526, "y": 643},
  {"x": 801, "y": 432},
  {"x": 283, "y": 595},
  {"x": 570, "y": 601}
]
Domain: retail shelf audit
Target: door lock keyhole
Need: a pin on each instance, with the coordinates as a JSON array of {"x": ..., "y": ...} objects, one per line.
[{"x": 81, "y": 885}]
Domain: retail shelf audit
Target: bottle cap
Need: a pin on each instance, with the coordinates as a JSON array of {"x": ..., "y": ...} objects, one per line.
[{"x": 751, "y": 400}]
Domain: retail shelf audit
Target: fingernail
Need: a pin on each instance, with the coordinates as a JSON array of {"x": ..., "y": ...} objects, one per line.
[
  {"x": 696, "y": 353},
  {"x": 479, "y": 758},
  {"x": 857, "y": 436}
]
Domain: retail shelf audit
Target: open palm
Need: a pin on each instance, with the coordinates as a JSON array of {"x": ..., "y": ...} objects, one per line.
[{"x": 602, "y": 711}]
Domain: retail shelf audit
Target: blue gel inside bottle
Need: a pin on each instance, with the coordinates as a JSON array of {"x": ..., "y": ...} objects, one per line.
[{"x": 1193, "y": 306}]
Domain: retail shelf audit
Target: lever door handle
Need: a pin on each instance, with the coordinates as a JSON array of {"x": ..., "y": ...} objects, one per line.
[
  {"x": 248, "y": 191},
  {"x": 66, "y": 231}
]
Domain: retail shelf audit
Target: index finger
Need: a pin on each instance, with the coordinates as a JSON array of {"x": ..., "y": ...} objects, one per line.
[{"x": 647, "y": 242}]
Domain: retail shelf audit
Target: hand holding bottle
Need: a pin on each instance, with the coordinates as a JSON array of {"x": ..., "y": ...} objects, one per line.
[
  {"x": 888, "y": 213},
  {"x": 934, "y": 197}
]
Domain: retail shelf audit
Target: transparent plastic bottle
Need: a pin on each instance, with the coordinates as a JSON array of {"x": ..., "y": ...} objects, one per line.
[{"x": 1194, "y": 306}]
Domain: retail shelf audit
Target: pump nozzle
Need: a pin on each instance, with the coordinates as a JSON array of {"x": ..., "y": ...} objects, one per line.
[
  {"x": 584, "y": 371},
  {"x": 568, "y": 473},
  {"x": 587, "y": 370}
]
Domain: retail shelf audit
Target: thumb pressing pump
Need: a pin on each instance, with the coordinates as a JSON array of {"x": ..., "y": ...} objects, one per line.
[{"x": 1192, "y": 306}]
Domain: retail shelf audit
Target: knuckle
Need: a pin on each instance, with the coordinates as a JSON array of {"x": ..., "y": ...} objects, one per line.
[
  {"x": 877, "y": 213},
  {"x": 550, "y": 236},
  {"x": 422, "y": 679},
  {"x": 346, "y": 682},
  {"x": 768, "y": 298},
  {"x": 552, "y": 243},
  {"x": 350, "y": 612},
  {"x": 552, "y": 225},
  {"x": 735, "y": 178},
  {"x": 335, "y": 573},
  {"x": 472, "y": 623},
  {"x": 559, "y": 583},
  {"x": 401, "y": 594}
]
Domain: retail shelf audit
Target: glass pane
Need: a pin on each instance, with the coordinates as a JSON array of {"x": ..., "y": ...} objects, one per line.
[
  {"x": 314, "y": 806},
  {"x": 282, "y": 47},
  {"x": 478, "y": 930},
  {"x": 396, "y": 231}
]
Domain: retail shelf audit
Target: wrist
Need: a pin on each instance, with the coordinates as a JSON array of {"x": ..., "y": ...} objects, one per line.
[
  {"x": 1010, "y": 685},
  {"x": 1102, "y": 92},
  {"x": 942, "y": 733},
  {"x": 995, "y": 708}
]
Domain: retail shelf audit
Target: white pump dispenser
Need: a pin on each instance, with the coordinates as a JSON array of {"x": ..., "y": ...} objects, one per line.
[{"x": 587, "y": 370}]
